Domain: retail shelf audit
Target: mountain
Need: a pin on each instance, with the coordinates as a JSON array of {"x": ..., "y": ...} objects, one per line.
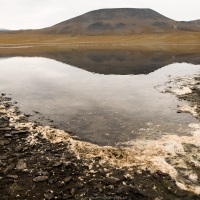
[
  {"x": 3, "y": 30},
  {"x": 121, "y": 21},
  {"x": 196, "y": 22}
]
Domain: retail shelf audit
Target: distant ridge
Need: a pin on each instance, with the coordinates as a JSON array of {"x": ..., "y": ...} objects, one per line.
[
  {"x": 3, "y": 30},
  {"x": 121, "y": 21}
]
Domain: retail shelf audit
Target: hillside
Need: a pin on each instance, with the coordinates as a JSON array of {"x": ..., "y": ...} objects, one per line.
[
  {"x": 120, "y": 21},
  {"x": 125, "y": 26}
]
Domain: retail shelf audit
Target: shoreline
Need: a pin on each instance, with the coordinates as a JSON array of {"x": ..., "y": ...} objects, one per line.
[
  {"x": 44, "y": 162},
  {"x": 97, "y": 44}
]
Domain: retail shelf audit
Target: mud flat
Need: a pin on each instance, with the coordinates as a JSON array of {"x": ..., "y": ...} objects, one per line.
[{"x": 38, "y": 162}]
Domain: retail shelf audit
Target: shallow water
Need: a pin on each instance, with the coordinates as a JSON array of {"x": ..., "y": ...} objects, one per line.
[{"x": 103, "y": 109}]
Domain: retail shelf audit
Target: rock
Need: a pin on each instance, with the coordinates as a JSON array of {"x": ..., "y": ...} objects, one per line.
[
  {"x": 7, "y": 104},
  {"x": 19, "y": 132},
  {"x": 45, "y": 173},
  {"x": 127, "y": 188},
  {"x": 18, "y": 148},
  {"x": 12, "y": 176},
  {"x": 8, "y": 135},
  {"x": 3, "y": 125},
  {"x": 73, "y": 191},
  {"x": 21, "y": 165},
  {"x": 42, "y": 173},
  {"x": 49, "y": 196},
  {"x": 7, "y": 98},
  {"x": 67, "y": 164},
  {"x": 40, "y": 179},
  {"x": 57, "y": 164},
  {"x": 4, "y": 142},
  {"x": 112, "y": 180},
  {"x": 9, "y": 168},
  {"x": 67, "y": 179},
  {"x": 5, "y": 129},
  {"x": 162, "y": 173},
  {"x": 179, "y": 111}
]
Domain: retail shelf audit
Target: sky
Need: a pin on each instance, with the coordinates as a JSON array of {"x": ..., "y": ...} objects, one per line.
[{"x": 33, "y": 14}]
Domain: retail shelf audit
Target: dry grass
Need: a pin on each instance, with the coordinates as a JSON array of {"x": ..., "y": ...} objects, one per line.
[
  {"x": 178, "y": 37},
  {"x": 174, "y": 42}
]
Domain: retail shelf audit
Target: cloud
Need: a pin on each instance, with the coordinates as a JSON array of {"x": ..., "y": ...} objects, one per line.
[{"x": 26, "y": 14}]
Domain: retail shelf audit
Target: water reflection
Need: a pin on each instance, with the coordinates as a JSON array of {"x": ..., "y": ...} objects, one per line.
[
  {"x": 104, "y": 109},
  {"x": 118, "y": 61}
]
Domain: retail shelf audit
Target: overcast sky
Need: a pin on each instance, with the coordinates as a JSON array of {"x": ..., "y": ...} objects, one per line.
[{"x": 26, "y": 14}]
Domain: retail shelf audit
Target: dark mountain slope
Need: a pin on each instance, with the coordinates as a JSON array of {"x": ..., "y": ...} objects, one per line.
[{"x": 121, "y": 21}]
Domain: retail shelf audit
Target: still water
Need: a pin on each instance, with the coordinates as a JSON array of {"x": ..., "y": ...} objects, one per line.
[{"x": 104, "y": 107}]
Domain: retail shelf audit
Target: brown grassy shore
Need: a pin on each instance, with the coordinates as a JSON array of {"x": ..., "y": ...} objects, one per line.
[{"x": 146, "y": 39}]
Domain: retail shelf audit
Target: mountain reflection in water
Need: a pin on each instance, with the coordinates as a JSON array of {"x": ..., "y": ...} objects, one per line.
[
  {"x": 117, "y": 102},
  {"x": 118, "y": 61}
]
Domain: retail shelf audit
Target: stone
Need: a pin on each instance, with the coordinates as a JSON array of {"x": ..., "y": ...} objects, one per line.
[
  {"x": 67, "y": 164},
  {"x": 4, "y": 142},
  {"x": 57, "y": 164},
  {"x": 3, "y": 126},
  {"x": 112, "y": 180},
  {"x": 5, "y": 129},
  {"x": 127, "y": 188},
  {"x": 49, "y": 196},
  {"x": 9, "y": 168},
  {"x": 12, "y": 176},
  {"x": 162, "y": 173},
  {"x": 19, "y": 132},
  {"x": 21, "y": 165},
  {"x": 8, "y": 135},
  {"x": 18, "y": 148},
  {"x": 67, "y": 179},
  {"x": 40, "y": 179}
]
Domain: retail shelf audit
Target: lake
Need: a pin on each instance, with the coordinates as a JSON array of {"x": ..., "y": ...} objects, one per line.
[{"x": 102, "y": 96}]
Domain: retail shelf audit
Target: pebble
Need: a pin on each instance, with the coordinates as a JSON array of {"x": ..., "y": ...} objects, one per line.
[
  {"x": 57, "y": 164},
  {"x": 9, "y": 168},
  {"x": 5, "y": 142},
  {"x": 8, "y": 135},
  {"x": 12, "y": 176},
  {"x": 21, "y": 165},
  {"x": 40, "y": 179},
  {"x": 5, "y": 129},
  {"x": 67, "y": 179},
  {"x": 112, "y": 180},
  {"x": 18, "y": 148},
  {"x": 67, "y": 164},
  {"x": 49, "y": 196}
]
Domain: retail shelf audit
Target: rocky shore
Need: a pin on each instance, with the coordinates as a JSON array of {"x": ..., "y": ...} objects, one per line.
[
  {"x": 186, "y": 89},
  {"x": 39, "y": 162}
]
